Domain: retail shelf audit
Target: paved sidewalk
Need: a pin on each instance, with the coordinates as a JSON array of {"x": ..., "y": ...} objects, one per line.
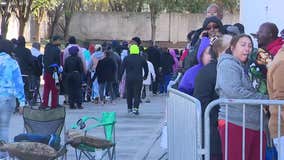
[{"x": 134, "y": 134}]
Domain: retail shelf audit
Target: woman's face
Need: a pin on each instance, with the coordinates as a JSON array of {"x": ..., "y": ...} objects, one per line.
[
  {"x": 242, "y": 49},
  {"x": 206, "y": 57},
  {"x": 212, "y": 29}
]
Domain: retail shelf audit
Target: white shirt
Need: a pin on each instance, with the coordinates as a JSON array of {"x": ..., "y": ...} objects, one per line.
[{"x": 151, "y": 72}]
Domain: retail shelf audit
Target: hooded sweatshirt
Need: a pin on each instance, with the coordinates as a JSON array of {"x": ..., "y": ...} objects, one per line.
[
  {"x": 187, "y": 82},
  {"x": 233, "y": 83},
  {"x": 134, "y": 66},
  {"x": 175, "y": 65}
]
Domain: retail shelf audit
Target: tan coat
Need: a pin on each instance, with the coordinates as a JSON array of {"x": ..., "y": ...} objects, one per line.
[{"x": 275, "y": 86}]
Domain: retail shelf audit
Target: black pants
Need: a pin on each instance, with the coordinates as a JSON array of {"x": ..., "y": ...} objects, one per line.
[
  {"x": 155, "y": 83},
  {"x": 133, "y": 89},
  {"x": 74, "y": 88}
]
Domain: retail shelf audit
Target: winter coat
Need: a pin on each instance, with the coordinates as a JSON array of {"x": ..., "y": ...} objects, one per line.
[
  {"x": 51, "y": 56},
  {"x": 233, "y": 83},
  {"x": 105, "y": 70},
  {"x": 275, "y": 86},
  {"x": 133, "y": 65},
  {"x": 187, "y": 82},
  {"x": 80, "y": 54},
  {"x": 73, "y": 69},
  {"x": 25, "y": 59},
  {"x": 166, "y": 63},
  {"x": 204, "y": 91}
]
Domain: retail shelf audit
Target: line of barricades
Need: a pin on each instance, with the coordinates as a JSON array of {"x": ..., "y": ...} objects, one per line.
[{"x": 184, "y": 128}]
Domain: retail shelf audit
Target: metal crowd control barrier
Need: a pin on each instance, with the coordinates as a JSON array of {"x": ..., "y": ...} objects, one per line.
[
  {"x": 184, "y": 126},
  {"x": 243, "y": 102}
]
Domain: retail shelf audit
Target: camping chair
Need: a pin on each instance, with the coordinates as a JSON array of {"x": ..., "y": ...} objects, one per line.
[
  {"x": 86, "y": 144},
  {"x": 44, "y": 122}
]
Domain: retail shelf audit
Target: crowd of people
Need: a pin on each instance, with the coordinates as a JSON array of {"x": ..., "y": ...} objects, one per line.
[{"x": 220, "y": 61}]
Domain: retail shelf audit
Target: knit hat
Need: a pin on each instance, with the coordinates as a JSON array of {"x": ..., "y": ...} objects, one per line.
[
  {"x": 98, "y": 46},
  {"x": 213, "y": 19},
  {"x": 73, "y": 51},
  {"x": 6, "y": 46},
  {"x": 134, "y": 49},
  {"x": 137, "y": 40}
]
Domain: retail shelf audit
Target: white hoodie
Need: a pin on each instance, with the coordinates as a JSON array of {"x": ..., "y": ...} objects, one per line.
[{"x": 151, "y": 72}]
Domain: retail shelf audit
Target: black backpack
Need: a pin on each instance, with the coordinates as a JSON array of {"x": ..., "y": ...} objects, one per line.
[{"x": 37, "y": 65}]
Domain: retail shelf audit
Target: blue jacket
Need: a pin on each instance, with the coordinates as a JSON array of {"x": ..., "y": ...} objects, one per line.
[{"x": 11, "y": 82}]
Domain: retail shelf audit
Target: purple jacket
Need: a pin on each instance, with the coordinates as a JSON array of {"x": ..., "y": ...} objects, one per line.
[{"x": 187, "y": 82}]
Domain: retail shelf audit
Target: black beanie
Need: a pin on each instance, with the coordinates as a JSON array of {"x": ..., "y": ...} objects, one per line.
[
  {"x": 6, "y": 46},
  {"x": 213, "y": 19},
  {"x": 137, "y": 40}
]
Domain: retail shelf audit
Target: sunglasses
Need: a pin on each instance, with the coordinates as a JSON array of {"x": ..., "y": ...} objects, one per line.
[{"x": 212, "y": 27}]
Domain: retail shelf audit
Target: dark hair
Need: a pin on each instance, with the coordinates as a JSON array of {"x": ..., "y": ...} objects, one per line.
[
  {"x": 108, "y": 53},
  {"x": 190, "y": 35},
  {"x": 235, "y": 40},
  {"x": 36, "y": 45},
  {"x": 241, "y": 27},
  {"x": 72, "y": 40},
  {"x": 6, "y": 46},
  {"x": 21, "y": 41},
  {"x": 86, "y": 44}
]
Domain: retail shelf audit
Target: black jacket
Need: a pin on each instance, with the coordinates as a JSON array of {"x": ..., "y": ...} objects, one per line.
[
  {"x": 25, "y": 59},
  {"x": 133, "y": 65},
  {"x": 167, "y": 62},
  {"x": 105, "y": 70},
  {"x": 73, "y": 69},
  {"x": 154, "y": 57},
  {"x": 204, "y": 91},
  {"x": 51, "y": 56}
]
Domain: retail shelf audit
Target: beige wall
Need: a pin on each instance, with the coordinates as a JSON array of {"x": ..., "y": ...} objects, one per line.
[
  {"x": 171, "y": 27},
  {"x": 123, "y": 26}
]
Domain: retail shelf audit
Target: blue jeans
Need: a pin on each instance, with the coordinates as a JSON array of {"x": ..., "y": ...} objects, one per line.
[
  {"x": 95, "y": 89},
  {"x": 7, "y": 106},
  {"x": 165, "y": 82}
]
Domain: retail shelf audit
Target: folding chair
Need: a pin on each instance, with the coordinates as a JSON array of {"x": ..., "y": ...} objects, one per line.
[
  {"x": 44, "y": 122},
  {"x": 87, "y": 144}
]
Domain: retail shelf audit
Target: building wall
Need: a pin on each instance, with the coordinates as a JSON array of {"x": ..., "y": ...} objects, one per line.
[
  {"x": 123, "y": 26},
  {"x": 172, "y": 27}
]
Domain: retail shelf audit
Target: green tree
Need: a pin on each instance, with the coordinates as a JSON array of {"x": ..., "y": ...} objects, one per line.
[
  {"x": 22, "y": 10},
  {"x": 6, "y": 10},
  {"x": 40, "y": 8}
]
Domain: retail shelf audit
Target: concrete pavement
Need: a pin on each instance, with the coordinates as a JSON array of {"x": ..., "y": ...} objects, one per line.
[{"x": 134, "y": 134}]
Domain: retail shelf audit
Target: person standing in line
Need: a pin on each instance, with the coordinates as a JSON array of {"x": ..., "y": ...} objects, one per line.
[
  {"x": 150, "y": 78},
  {"x": 204, "y": 91},
  {"x": 133, "y": 65},
  {"x": 25, "y": 60},
  {"x": 51, "y": 59},
  {"x": 275, "y": 87},
  {"x": 73, "y": 69},
  {"x": 105, "y": 73},
  {"x": 233, "y": 82},
  {"x": 11, "y": 87}
]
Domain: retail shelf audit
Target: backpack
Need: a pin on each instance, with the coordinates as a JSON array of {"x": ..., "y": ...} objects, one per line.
[{"x": 37, "y": 65}]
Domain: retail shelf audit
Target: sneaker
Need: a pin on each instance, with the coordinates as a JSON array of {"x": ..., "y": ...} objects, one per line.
[
  {"x": 147, "y": 101},
  {"x": 80, "y": 107},
  {"x": 129, "y": 111},
  {"x": 135, "y": 111}
]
